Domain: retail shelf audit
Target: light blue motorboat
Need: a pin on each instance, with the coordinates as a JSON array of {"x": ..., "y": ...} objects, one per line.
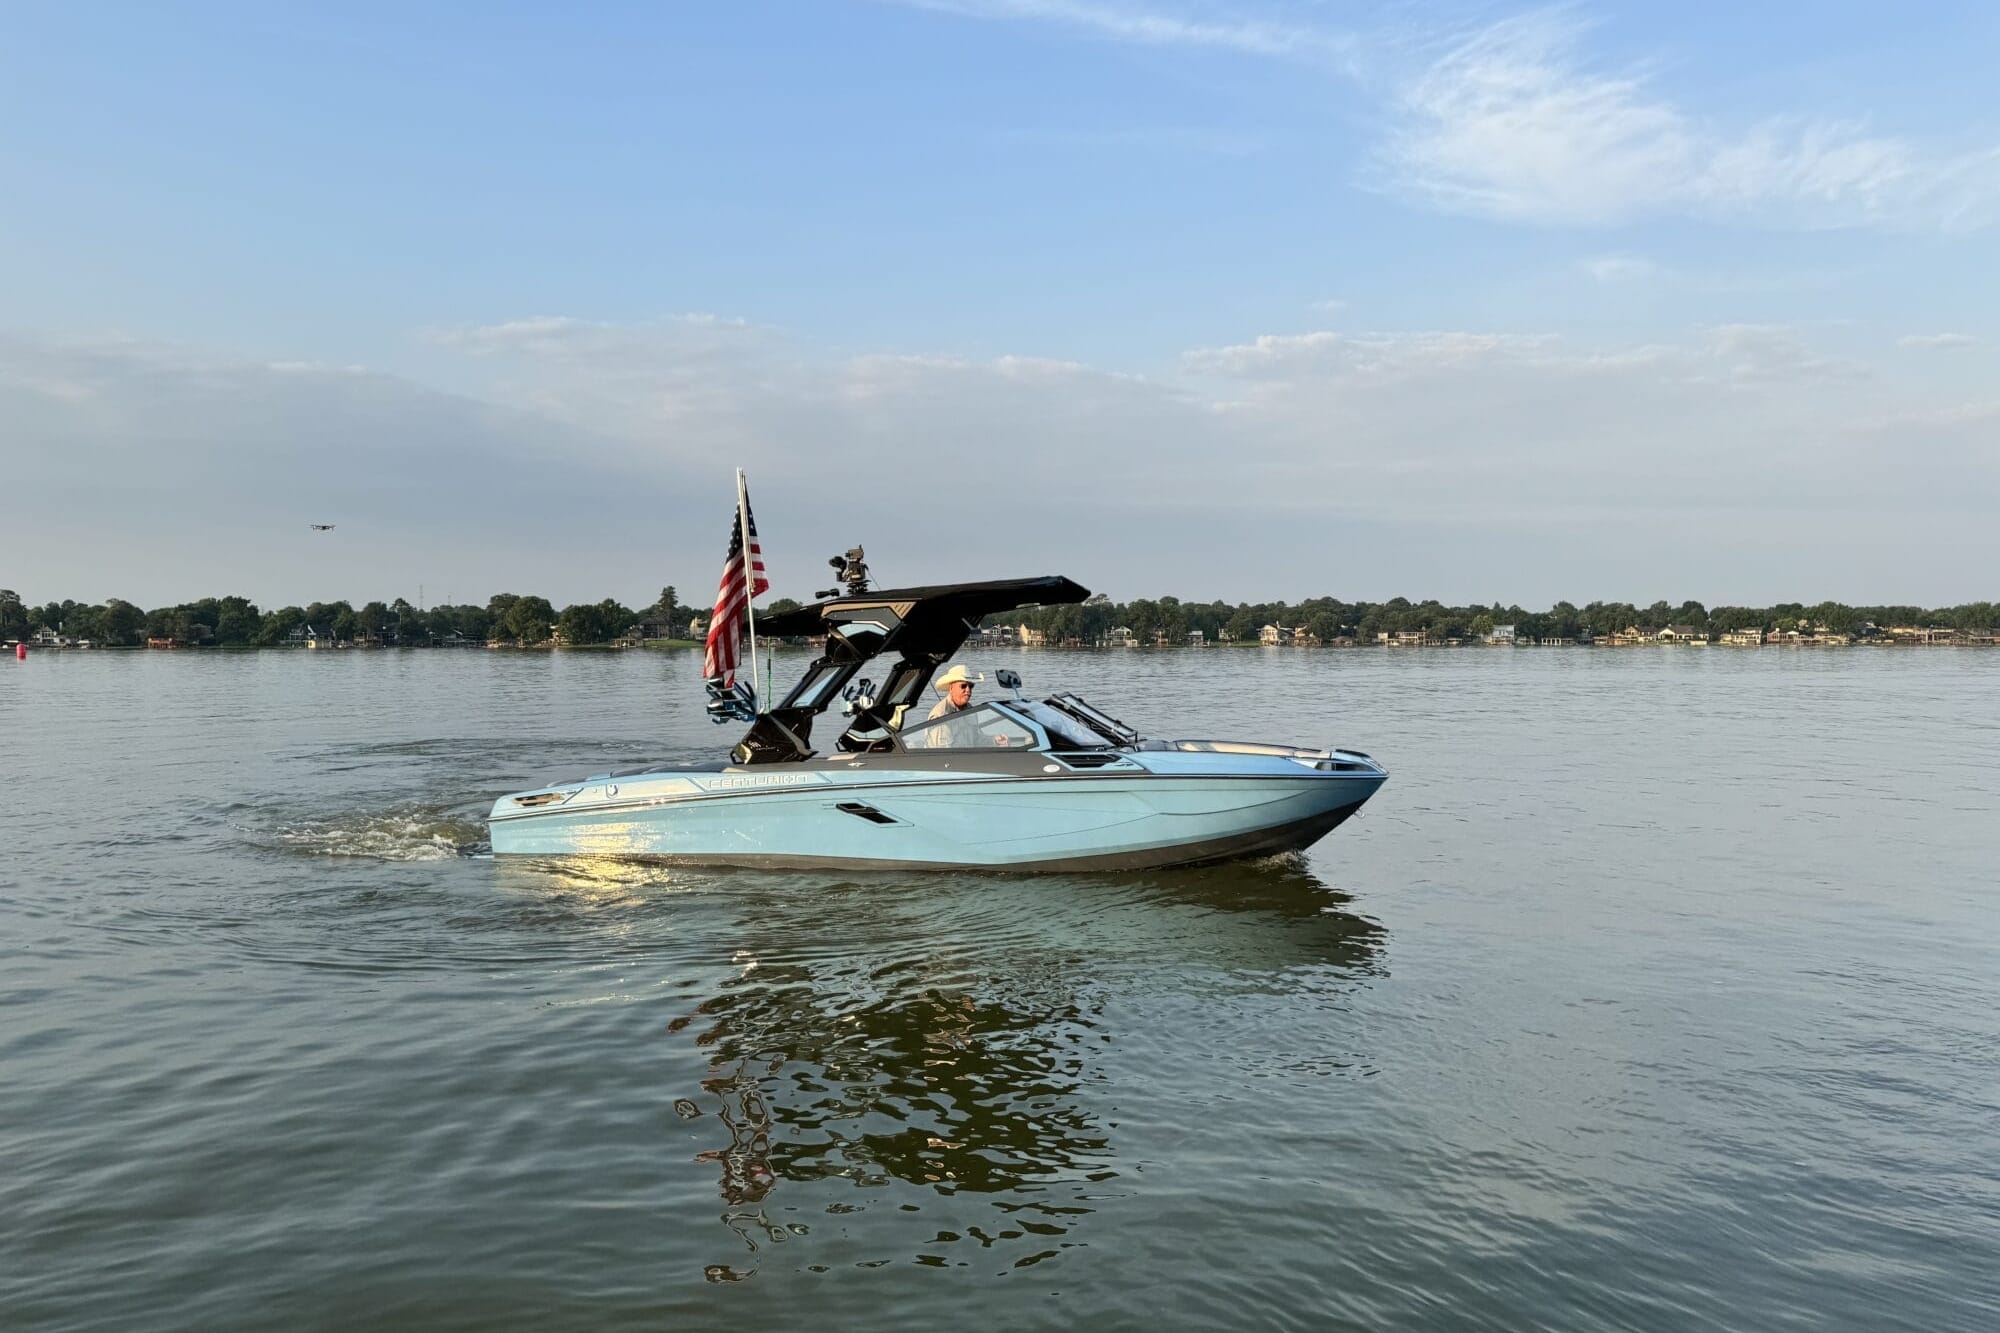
[{"x": 1010, "y": 784}]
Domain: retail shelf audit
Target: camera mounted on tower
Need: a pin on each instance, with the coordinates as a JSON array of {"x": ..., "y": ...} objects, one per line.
[{"x": 853, "y": 573}]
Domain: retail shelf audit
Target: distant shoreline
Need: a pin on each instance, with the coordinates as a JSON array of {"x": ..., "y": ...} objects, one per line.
[
  {"x": 531, "y": 621},
  {"x": 542, "y": 647},
  {"x": 974, "y": 646}
]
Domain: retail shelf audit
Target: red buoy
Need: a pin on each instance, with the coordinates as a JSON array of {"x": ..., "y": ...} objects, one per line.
[{"x": 20, "y": 652}]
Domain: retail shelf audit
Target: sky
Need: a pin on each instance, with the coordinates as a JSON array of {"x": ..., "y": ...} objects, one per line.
[{"x": 1251, "y": 301}]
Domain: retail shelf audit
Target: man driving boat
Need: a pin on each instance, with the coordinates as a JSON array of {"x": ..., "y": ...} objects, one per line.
[{"x": 955, "y": 684}]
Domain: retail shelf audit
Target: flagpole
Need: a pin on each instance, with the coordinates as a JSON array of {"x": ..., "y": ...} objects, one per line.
[{"x": 749, "y": 582}]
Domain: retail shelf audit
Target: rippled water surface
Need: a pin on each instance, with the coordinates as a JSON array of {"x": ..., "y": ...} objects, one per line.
[{"x": 1656, "y": 990}]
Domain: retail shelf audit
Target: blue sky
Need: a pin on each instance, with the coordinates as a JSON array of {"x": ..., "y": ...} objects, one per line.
[{"x": 1240, "y": 300}]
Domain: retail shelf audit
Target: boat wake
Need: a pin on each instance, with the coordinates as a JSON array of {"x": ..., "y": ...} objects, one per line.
[{"x": 409, "y": 833}]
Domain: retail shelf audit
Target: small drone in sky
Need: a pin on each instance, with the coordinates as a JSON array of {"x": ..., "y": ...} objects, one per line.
[{"x": 322, "y": 527}]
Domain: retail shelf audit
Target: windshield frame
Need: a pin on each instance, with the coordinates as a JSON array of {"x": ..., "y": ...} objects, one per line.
[
  {"x": 1117, "y": 734},
  {"x": 1038, "y": 735},
  {"x": 1065, "y": 730}
]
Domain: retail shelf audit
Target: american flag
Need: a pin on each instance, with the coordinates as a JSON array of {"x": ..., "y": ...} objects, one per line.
[{"x": 732, "y": 600}]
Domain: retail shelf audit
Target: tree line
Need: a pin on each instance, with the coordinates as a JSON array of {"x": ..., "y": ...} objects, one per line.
[
  {"x": 1329, "y": 618},
  {"x": 514, "y": 618},
  {"x": 237, "y": 621}
]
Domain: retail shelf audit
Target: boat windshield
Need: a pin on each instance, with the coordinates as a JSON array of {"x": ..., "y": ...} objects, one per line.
[
  {"x": 1115, "y": 732},
  {"x": 980, "y": 727},
  {"x": 1065, "y": 732}
]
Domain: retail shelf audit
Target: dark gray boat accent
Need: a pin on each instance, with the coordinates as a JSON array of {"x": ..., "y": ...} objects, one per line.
[{"x": 1089, "y": 758}]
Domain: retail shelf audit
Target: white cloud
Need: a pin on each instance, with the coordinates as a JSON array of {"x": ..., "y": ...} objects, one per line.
[
  {"x": 562, "y": 335},
  {"x": 1284, "y": 357},
  {"x": 652, "y": 386},
  {"x": 603, "y": 449},
  {"x": 1156, "y": 139},
  {"x": 1767, "y": 353},
  {"x": 1407, "y": 426},
  {"x": 1937, "y": 341},
  {"x": 1516, "y": 123},
  {"x": 1157, "y": 27}
]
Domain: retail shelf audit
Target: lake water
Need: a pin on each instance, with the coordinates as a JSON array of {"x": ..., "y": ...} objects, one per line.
[{"x": 1657, "y": 990}]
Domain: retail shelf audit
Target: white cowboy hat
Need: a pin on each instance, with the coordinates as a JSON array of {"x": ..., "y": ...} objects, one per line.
[{"x": 953, "y": 675}]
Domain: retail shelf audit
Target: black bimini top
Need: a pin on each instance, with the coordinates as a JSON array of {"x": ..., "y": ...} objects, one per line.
[
  {"x": 934, "y": 619},
  {"x": 920, "y": 626}
]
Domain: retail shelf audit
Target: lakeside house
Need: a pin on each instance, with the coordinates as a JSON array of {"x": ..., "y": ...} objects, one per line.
[
  {"x": 1807, "y": 635},
  {"x": 654, "y": 628},
  {"x": 1501, "y": 635},
  {"x": 194, "y": 635},
  {"x": 1744, "y": 638},
  {"x": 1921, "y": 634},
  {"x": 1298, "y": 636},
  {"x": 48, "y": 638},
  {"x": 1681, "y": 634},
  {"x": 167, "y": 642}
]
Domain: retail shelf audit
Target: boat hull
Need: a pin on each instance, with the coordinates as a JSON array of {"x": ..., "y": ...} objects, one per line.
[{"x": 1020, "y": 812}]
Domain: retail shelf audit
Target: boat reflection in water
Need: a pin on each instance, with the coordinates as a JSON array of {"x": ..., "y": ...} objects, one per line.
[{"x": 944, "y": 1052}]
